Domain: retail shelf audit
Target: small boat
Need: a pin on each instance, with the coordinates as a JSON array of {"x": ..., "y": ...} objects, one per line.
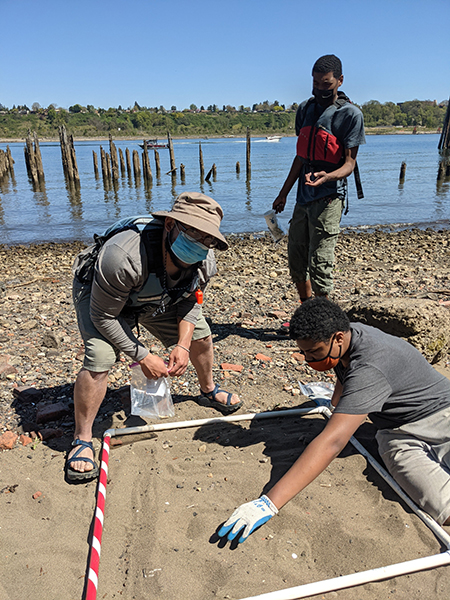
[
  {"x": 154, "y": 144},
  {"x": 273, "y": 138}
]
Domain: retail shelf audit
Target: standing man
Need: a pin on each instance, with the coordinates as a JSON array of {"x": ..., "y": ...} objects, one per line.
[
  {"x": 330, "y": 129},
  {"x": 152, "y": 277}
]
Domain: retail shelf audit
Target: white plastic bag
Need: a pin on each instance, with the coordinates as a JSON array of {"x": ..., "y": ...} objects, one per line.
[
  {"x": 319, "y": 392},
  {"x": 272, "y": 223},
  {"x": 150, "y": 398}
]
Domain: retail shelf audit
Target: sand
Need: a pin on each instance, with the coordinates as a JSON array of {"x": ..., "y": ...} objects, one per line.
[{"x": 169, "y": 492}]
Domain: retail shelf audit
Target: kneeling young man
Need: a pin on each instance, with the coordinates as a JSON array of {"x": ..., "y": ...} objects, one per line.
[{"x": 379, "y": 376}]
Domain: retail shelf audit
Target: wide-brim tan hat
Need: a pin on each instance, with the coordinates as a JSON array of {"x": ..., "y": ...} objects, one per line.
[{"x": 198, "y": 211}]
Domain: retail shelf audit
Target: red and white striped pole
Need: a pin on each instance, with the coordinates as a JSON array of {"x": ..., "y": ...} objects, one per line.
[{"x": 94, "y": 558}]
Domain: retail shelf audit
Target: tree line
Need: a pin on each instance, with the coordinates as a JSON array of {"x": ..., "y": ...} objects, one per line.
[{"x": 264, "y": 118}]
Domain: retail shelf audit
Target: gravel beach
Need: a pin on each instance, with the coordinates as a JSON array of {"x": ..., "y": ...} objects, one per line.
[{"x": 169, "y": 492}]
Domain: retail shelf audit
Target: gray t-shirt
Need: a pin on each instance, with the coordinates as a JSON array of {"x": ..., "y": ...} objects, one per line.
[
  {"x": 389, "y": 380},
  {"x": 348, "y": 126}
]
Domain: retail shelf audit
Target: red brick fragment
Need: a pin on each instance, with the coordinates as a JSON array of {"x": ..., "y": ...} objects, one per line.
[
  {"x": 231, "y": 367},
  {"x": 48, "y": 434},
  {"x": 51, "y": 412},
  {"x": 37, "y": 495},
  {"x": 263, "y": 357},
  {"x": 27, "y": 394},
  {"x": 25, "y": 440},
  {"x": 7, "y": 440},
  {"x": 116, "y": 442}
]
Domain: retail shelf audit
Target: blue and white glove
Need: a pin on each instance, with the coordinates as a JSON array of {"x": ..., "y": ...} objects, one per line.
[{"x": 250, "y": 515}]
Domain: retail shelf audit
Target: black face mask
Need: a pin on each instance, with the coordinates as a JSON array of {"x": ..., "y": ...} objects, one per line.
[{"x": 323, "y": 97}]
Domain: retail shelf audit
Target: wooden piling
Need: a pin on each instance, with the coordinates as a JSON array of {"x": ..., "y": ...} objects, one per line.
[
  {"x": 200, "y": 158},
  {"x": 136, "y": 166},
  {"x": 122, "y": 163},
  {"x": 103, "y": 162},
  {"x": 114, "y": 159},
  {"x": 444, "y": 140},
  {"x": 73, "y": 156},
  {"x": 10, "y": 161},
  {"x": 38, "y": 157},
  {"x": 402, "y": 172},
  {"x": 68, "y": 155},
  {"x": 238, "y": 167},
  {"x": 182, "y": 172},
  {"x": 108, "y": 165},
  {"x": 248, "y": 163},
  {"x": 146, "y": 169},
  {"x": 30, "y": 159},
  {"x": 171, "y": 153},
  {"x": 127, "y": 155},
  {"x": 157, "y": 164},
  {"x": 4, "y": 164},
  {"x": 214, "y": 171},
  {"x": 94, "y": 157},
  {"x": 210, "y": 172}
]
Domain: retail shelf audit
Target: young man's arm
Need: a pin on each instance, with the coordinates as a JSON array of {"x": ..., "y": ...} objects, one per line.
[
  {"x": 315, "y": 459},
  {"x": 280, "y": 201},
  {"x": 347, "y": 168}
]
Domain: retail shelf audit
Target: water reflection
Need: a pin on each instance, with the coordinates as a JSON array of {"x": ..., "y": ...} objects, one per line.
[
  {"x": 148, "y": 194},
  {"x": 74, "y": 195},
  {"x": 248, "y": 190}
]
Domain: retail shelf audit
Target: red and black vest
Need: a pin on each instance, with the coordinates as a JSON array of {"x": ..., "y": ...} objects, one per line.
[{"x": 316, "y": 143}]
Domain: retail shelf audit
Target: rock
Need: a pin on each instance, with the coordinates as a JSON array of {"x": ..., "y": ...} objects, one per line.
[
  {"x": 27, "y": 394},
  {"x": 7, "y": 440},
  {"x": 423, "y": 323},
  {"x": 37, "y": 495},
  {"x": 298, "y": 357},
  {"x": 51, "y": 412},
  {"x": 6, "y": 370},
  {"x": 50, "y": 340},
  {"x": 25, "y": 440},
  {"x": 31, "y": 324}
]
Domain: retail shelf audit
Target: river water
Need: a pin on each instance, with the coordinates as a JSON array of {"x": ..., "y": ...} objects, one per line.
[{"x": 56, "y": 213}]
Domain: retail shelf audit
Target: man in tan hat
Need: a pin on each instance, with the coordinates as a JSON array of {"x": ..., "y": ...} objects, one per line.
[{"x": 150, "y": 272}]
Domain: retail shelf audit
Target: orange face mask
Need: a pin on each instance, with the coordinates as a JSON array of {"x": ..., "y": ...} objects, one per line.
[{"x": 327, "y": 363}]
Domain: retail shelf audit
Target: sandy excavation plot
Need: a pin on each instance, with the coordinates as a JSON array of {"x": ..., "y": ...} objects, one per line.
[{"x": 168, "y": 495}]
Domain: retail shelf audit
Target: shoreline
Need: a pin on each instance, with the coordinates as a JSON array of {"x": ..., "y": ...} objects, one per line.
[
  {"x": 370, "y": 230},
  {"x": 368, "y": 130}
]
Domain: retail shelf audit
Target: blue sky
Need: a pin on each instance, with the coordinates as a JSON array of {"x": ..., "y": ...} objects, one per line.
[{"x": 174, "y": 52}]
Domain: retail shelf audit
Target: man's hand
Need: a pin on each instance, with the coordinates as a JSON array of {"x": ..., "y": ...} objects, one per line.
[
  {"x": 316, "y": 179},
  {"x": 178, "y": 361},
  {"x": 250, "y": 515},
  {"x": 279, "y": 204},
  {"x": 153, "y": 367}
]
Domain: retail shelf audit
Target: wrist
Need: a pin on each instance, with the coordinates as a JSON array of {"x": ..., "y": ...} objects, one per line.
[
  {"x": 269, "y": 504},
  {"x": 183, "y": 348}
]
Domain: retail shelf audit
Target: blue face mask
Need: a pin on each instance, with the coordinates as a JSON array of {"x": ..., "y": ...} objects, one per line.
[{"x": 188, "y": 250}]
